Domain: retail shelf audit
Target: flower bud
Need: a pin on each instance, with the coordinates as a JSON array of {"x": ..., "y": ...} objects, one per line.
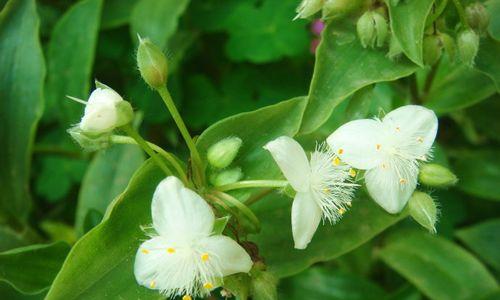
[
  {"x": 152, "y": 64},
  {"x": 222, "y": 154},
  {"x": 89, "y": 142},
  {"x": 477, "y": 16},
  {"x": 308, "y": 8},
  {"x": 105, "y": 110},
  {"x": 432, "y": 48},
  {"x": 423, "y": 209},
  {"x": 372, "y": 29},
  {"x": 226, "y": 176},
  {"x": 395, "y": 49},
  {"x": 468, "y": 46},
  {"x": 264, "y": 283},
  {"x": 339, "y": 8},
  {"x": 436, "y": 176},
  {"x": 448, "y": 45}
]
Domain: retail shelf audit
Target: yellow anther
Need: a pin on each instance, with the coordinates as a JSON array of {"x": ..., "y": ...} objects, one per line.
[
  {"x": 186, "y": 297},
  {"x": 208, "y": 285},
  {"x": 402, "y": 181},
  {"x": 384, "y": 166},
  {"x": 152, "y": 284},
  {"x": 398, "y": 128},
  {"x": 352, "y": 172},
  {"x": 170, "y": 250},
  {"x": 204, "y": 257},
  {"x": 349, "y": 204},
  {"x": 341, "y": 210},
  {"x": 336, "y": 161},
  {"x": 145, "y": 251},
  {"x": 420, "y": 139},
  {"x": 341, "y": 151},
  {"x": 326, "y": 190},
  {"x": 378, "y": 146}
]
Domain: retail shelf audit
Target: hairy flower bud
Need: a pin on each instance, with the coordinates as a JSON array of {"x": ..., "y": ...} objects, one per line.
[
  {"x": 372, "y": 29},
  {"x": 308, "y": 8},
  {"x": 423, "y": 209},
  {"x": 222, "y": 153},
  {"x": 477, "y": 16},
  {"x": 152, "y": 64},
  {"x": 468, "y": 46},
  {"x": 226, "y": 176},
  {"x": 448, "y": 45},
  {"x": 433, "y": 48},
  {"x": 90, "y": 142},
  {"x": 436, "y": 176},
  {"x": 339, "y": 8}
]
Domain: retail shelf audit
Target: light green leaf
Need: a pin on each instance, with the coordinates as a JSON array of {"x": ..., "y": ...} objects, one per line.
[
  {"x": 156, "y": 20},
  {"x": 360, "y": 224},
  {"x": 342, "y": 67},
  {"x": 116, "y": 13},
  {"x": 484, "y": 240},
  {"x": 70, "y": 59},
  {"x": 106, "y": 177},
  {"x": 102, "y": 261},
  {"x": 408, "y": 24},
  {"x": 479, "y": 174},
  {"x": 21, "y": 101},
  {"x": 437, "y": 267},
  {"x": 256, "y": 128},
  {"x": 31, "y": 269},
  {"x": 487, "y": 60}
]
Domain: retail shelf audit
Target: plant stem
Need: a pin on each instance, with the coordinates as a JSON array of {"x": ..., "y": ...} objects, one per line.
[
  {"x": 198, "y": 166},
  {"x": 145, "y": 146},
  {"x": 253, "y": 184},
  {"x": 461, "y": 13},
  {"x": 240, "y": 206},
  {"x": 258, "y": 196},
  {"x": 437, "y": 12},
  {"x": 120, "y": 139}
]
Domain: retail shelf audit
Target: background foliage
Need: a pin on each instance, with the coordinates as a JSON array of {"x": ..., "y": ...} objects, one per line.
[{"x": 225, "y": 58}]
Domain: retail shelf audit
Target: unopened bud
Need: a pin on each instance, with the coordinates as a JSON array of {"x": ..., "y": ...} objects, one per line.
[
  {"x": 436, "y": 176},
  {"x": 468, "y": 46},
  {"x": 226, "y": 176},
  {"x": 308, "y": 8},
  {"x": 433, "y": 48},
  {"x": 152, "y": 64},
  {"x": 222, "y": 154},
  {"x": 423, "y": 209},
  {"x": 340, "y": 8},
  {"x": 264, "y": 283},
  {"x": 372, "y": 29},
  {"x": 477, "y": 16},
  {"x": 90, "y": 142},
  {"x": 448, "y": 45}
]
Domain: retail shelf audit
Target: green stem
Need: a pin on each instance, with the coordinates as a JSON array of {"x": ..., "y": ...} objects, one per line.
[
  {"x": 120, "y": 139},
  {"x": 198, "y": 166},
  {"x": 240, "y": 206},
  {"x": 253, "y": 184},
  {"x": 145, "y": 146},
  {"x": 437, "y": 12},
  {"x": 461, "y": 13},
  {"x": 258, "y": 196}
]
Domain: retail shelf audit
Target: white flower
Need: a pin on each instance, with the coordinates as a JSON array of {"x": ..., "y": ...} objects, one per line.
[
  {"x": 308, "y": 8},
  {"x": 184, "y": 258},
  {"x": 390, "y": 150},
  {"x": 322, "y": 190},
  {"x": 101, "y": 111}
]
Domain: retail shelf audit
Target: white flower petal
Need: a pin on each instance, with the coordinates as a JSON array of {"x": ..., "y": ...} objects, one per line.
[
  {"x": 392, "y": 183},
  {"x": 416, "y": 126},
  {"x": 179, "y": 213},
  {"x": 306, "y": 215},
  {"x": 357, "y": 143},
  {"x": 292, "y": 160},
  {"x": 104, "y": 96},
  {"x": 231, "y": 257},
  {"x": 100, "y": 112},
  {"x": 148, "y": 260}
]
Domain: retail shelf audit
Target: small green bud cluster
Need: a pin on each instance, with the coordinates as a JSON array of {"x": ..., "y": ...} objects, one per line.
[
  {"x": 220, "y": 156},
  {"x": 468, "y": 46},
  {"x": 372, "y": 29},
  {"x": 477, "y": 17},
  {"x": 435, "y": 44}
]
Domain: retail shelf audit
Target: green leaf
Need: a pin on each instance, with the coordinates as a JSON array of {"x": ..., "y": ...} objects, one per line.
[
  {"x": 487, "y": 60},
  {"x": 107, "y": 176},
  {"x": 493, "y": 7},
  {"x": 156, "y": 20},
  {"x": 478, "y": 173},
  {"x": 11, "y": 239},
  {"x": 265, "y": 32},
  {"x": 8, "y": 292},
  {"x": 21, "y": 83},
  {"x": 456, "y": 87},
  {"x": 485, "y": 115},
  {"x": 437, "y": 267},
  {"x": 31, "y": 269},
  {"x": 256, "y": 128},
  {"x": 323, "y": 283},
  {"x": 408, "y": 25},
  {"x": 70, "y": 59},
  {"x": 116, "y": 13},
  {"x": 360, "y": 224},
  {"x": 342, "y": 67},
  {"x": 102, "y": 261},
  {"x": 483, "y": 239},
  {"x": 220, "y": 225}
]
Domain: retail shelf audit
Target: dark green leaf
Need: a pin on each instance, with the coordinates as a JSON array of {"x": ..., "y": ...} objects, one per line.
[
  {"x": 494, "y": 10},
  {"x": 487, "y": 60},
  {"x": 21, "y": 83},
  {"x": 31, "y": 269},
  {"x": 439, "y": 268},
  {"x": 116, "y": 13},
  {"x": 10, "y": 293}
]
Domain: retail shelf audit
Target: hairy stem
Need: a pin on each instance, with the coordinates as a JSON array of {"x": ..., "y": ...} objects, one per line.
[
  {"x": 461, "y": 13},
  {"x": 253, "y": 184}
]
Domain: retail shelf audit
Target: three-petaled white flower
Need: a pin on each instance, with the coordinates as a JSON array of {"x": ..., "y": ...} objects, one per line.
[
  {"x": 390, "y": 150},
  {"x": 322, "y": 184},
  {"x": 185, "y": 258},
  {"x": 102, "y": 112}
]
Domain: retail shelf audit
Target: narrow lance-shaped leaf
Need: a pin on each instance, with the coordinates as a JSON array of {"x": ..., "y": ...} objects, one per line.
[
  {"x": 483, "y": 239},
  {"x": 21, "y": 101}
]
